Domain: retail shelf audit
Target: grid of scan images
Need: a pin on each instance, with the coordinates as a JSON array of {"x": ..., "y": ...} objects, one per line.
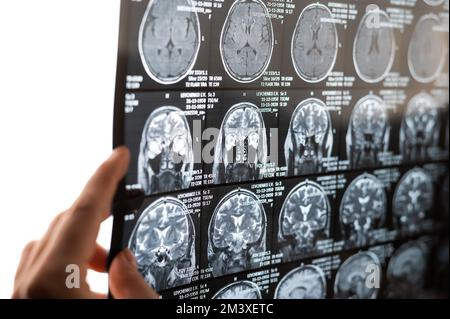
[{"x": 288, "y": 149}]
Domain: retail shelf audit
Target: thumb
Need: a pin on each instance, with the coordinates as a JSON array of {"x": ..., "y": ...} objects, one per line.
[{"x": 125, "y": 281}]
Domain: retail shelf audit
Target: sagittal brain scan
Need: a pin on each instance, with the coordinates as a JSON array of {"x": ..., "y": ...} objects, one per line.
[
  {"x": 163, "y": 242},
  {"x": 368, "y": 132},
  {"x": 419, "y": 131},
  {"x": 351, "y": 278},
  {"x": 309, "y": 139},
  {"x": 374, "y": 47},
  {"x": 363, "y": 209},
  {"x": 236, "y": 232},
  {"x": 247, "y": 40},
  {"x": 169, "y": 40},
  {"x": 304, "y": 219},
  {"x": 166, "y": 155},
  {"x": 315, "y": 43},
  {"x": 241, "y": 147},
  {"x": 413, "y": 197},
  {"x": 239, "y": 290},
  {"x": 427, "y": 49},
  {"x": 307, "y": 282}
]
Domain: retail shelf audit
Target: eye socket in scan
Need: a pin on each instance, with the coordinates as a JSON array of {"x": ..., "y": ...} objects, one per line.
[
  {"x": 306, "y": 282},
  {"x": 239, "y": 290},
  {"x": 247, "y": 40},
  {"x": 169, "y": 40},
  {"x": 315, "y": 43},
  {"x": 163, "y": 242}
]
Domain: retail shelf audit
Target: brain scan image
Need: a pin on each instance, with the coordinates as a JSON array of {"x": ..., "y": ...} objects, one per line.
[
  {"x": 374, "y": 47},
  {"x": 304, "y": 219},
  {"x": 427, "y": 49},
  {"x": 413, "y": 197},
  {"x": 163, "y": 242},
  {"x": 368, "y": 132},
  {"x": 309, "y": 139},
  {"x": 169, "y": 40},
  {"x": 239, "y": 290},
  {"x": 315, "y": 43},
  {"x": 241, "y": 147},
  {"x": 350, "y": 282},
  {"x": 166, "y": 156},
  {"x": 247, "y": 40},
  {"x": 419, "y": 131},
  {"x": 237, "y": 231},
  {"x": 307, "y": 282},
  {"x": 363, "y": 209}
]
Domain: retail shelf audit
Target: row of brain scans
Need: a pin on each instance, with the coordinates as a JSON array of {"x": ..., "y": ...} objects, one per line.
[{"x": 170, "y": 39}]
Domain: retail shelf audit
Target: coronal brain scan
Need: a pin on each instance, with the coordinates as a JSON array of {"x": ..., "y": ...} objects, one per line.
[
  {"x": 163, "y": 242},
  {"x": 413, "y": 197},
  {"x": 236, "y": 232},
  {"x": 169, "y": 40},
  {"x": 315, "y": 43},
  {"x": 239, "y": 290},
  {"x": 309, "y": 139},
  {"x": 419, "y": 132},
  {"x": 304, "y": 219},
  {"x": 374, "y": 47},
  {"x": 166, "y": 155},
  {"x": 242, "y": 145},
  {"x": 307, "y": 282},
  {"x": 351, "y": 278},
  {"x": 363, "y": 209},
  {"x": 427, "y": 49},
  {"x": 368, "y": 132},
  {"x": 247, "y": 40}
]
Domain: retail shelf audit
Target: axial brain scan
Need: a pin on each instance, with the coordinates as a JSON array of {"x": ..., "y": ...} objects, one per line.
[
  {"x": 163, "y": 242},
  {"x": 247, "y": 40},
  {"x": 309, "y": 139},
  {"x": 427, "y": 49},
  {"x": 419, "y": 131},
  {"x": 374, "y": 47},
  {"x": 166, "y": 155},
  {"x": 413, "y": 197},
  {"x": 169, "y": 40},
  {"x": 368, "y": 132},
  {"x": 241, "y": 146},
  {"x": 239, "y": 290},
  {"x": 236, "y": 232},
  {"x": 315, "y": 43},
  {"x": 307, "y": 282},
  {"x": 304, "y": 219},
  {"x": 351, "y": 278},
  {"x": 363, "y": 208}
]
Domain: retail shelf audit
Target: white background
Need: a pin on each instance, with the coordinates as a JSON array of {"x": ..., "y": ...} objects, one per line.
[{"x": 57, "y": 77}]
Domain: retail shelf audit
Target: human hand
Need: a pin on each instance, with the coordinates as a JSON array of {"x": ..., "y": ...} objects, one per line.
[{"x": 71, "y": 240}]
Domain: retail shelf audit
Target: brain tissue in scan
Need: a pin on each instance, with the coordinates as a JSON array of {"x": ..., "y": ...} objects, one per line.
[
  {"x": 309, "y": 139},
  {"x": 351, "y": 278},
  {"x": 413, "y": 197},
  {"x": 428, "y": 49},
  {"x": 368, "y": 132},
  {"x": 247, "y": 40},
  {"x": 237, "y": 231},
  {"x": 306, "y": 282},
  {"x": 169, "y": 40},
  {"x": 304, "y": 219},
  {"x": 163, "y": 242},
  {"x": 239, "y": 290},
  {"x": 419, "y": 132},
  {"x": 166, "y": 152},
  {"x": 363, "y": 209},
  {"x": 315, "y": 43},
  {"x": 241, "y": 148}
]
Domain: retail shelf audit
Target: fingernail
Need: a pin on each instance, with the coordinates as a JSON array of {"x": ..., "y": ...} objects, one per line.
[{"x": 129, "y": 258}]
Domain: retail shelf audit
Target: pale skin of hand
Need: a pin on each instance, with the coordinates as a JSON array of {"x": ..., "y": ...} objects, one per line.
[{"x": 71, "y": 240}]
